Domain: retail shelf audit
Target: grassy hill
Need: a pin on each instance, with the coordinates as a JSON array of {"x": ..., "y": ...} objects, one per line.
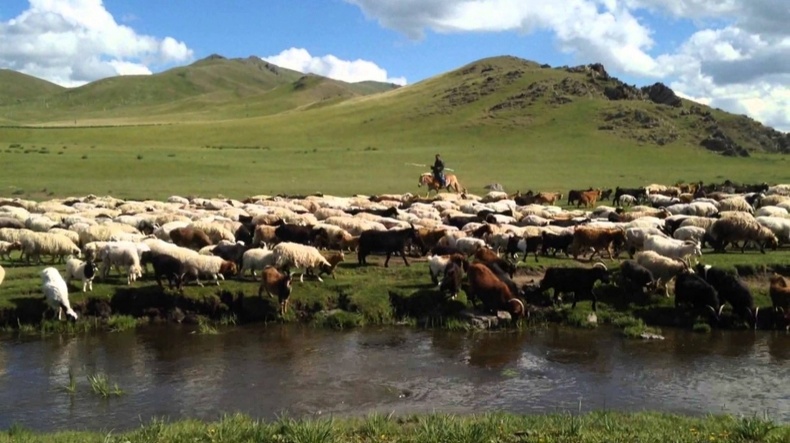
[
  {"x": 242, "y": 126},
  {"x": 16, "y": 87}
]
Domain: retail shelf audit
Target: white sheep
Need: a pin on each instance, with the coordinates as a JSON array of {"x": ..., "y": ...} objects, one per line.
[
  {"x": 635, "y": 238},
  {"x": 778, "y": 225},
  {"x": 701, "y": 222},
  {"x": 56, "y": 293},
  {"x": 702, "y": 208},
  {"x": 159, "y": 247},
  {"x": 664, "y": 269},
  {"x": 294, "y": 255},
  {"x": 83, "y": 270},
  {"x": 689, "y": 233},
  {"x": 736, "y": 203},
  {"x": 2, "y": 275},
  {"x": 771, "y": 211},
  {"x": 255, "y": 259},
  {"x": 43, "y": 243},
  {"x": 354, "y": 225},
  {"x": 40, "y": 223},
  {"x": 6, "y": 247},
  {"x": 121, "y": 255},
  {"x": 467, "y": 245},
  {"x": 214, "y": 267},
  {"x": 672, "y": 248}
]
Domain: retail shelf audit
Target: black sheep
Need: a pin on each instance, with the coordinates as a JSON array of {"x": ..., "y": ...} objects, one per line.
[
  {"x": 556, "y": 242},
  {"x": 388, "y": 242},
  {"x": 169, "y": 267}
]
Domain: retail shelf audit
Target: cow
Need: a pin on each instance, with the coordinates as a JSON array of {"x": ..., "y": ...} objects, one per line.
[
  {"x": 579, "y": 281},
  {"x": 495, "y": 295},
  {"x": 388, "y": 242}
]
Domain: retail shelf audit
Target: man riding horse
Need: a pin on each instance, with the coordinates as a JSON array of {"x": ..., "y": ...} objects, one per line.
[{"x": 438, "y": 170}]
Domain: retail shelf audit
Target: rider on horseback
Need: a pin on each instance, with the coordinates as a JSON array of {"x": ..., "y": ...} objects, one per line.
[{"x": 438, "y": 170}]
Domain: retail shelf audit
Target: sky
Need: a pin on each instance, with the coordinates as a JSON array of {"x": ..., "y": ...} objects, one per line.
[{"x": 730, "y": 54}]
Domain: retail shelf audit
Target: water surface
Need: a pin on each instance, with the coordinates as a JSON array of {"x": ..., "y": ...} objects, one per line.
[{"x": 263, "y": 371}]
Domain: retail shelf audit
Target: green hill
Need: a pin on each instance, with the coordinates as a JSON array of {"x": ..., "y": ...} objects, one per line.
[
  {"x": 16, "y": 88},
  {"x": 253, "y": 127},
  {"x": 211, "y": 88}
]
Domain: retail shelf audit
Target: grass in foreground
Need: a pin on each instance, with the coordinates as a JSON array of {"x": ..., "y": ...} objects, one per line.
[{"x": 595, "y": 427}]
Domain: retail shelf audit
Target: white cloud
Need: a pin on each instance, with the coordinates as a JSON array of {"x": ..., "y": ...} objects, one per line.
[
  {"x": 738, "y": 59},
  {"x": 299, "y": 59},
  {"x": 73, "y": 42}
]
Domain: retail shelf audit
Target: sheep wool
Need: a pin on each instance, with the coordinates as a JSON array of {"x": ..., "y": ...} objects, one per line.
[{"x": 56, "y": 293}]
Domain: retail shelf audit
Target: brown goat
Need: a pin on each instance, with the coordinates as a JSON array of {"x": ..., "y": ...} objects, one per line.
[
  {"x": 190, "y": 237},
  {"x": 276, "y": 282}
]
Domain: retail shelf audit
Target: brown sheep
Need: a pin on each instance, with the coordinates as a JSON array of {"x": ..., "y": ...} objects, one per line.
[
  {"x": 597, "y": 239},
  {"x": 264, "y": 235},
  {"x": 430, "y": 237},
  {"x": 548, "y": 198},
  {"x": 276, "y": 282},
  {"x": 493, "y": 292},
  {"x": 349, "y": 242},
  {"x": 734, "y": 229},
  {"x": 189, "y": 237}
]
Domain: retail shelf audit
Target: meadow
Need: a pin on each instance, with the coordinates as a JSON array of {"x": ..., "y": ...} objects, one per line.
[{"x": 594, "y": 427}]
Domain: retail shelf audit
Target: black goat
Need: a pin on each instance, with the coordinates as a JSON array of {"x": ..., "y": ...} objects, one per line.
[
  {"x": 169, "y": 267},
  {"x": 293, "y": 233},
  {"x": 579, "y": 281},
  {"x": 639, "y": 193},
  {"x": 730, "y": 290},
  {"x": 453, "y": 276},
  {"x": 233, "y": 252},
  {"x": 693, "y": 290},
  {"x": 388, "y": 242}
]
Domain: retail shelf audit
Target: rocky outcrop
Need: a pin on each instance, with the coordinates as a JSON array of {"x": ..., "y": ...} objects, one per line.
[
  {"x": 662, "y": 94},
  {"x": 719, "y": 142}
]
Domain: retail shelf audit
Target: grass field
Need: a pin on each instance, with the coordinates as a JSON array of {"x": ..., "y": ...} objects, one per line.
[
  {"x": 601, "y": 426},
  {"x": 58, "y": 163}
]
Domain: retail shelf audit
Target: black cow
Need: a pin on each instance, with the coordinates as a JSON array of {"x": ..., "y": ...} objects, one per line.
[
  {"x": 639, "y": 193},
  {"x": 579, "y": 281},
  {"x": 730, "y": 290},
  {"x": 693, "y": 290},
  {"x": 389, "y": 242},
  {"x": 555, "y": 242}
]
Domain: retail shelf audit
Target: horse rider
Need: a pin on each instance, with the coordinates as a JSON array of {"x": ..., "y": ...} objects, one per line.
[{"x": 438, "y": 170}]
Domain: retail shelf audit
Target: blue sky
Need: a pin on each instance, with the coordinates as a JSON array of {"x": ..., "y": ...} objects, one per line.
[{"x": 727, "y": 54}]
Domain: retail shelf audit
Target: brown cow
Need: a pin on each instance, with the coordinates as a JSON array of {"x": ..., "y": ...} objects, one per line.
[{"x": 493, "y": 292}]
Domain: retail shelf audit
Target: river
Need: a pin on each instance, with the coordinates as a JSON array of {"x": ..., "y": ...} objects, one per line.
[{"x": 171, "y": 372}]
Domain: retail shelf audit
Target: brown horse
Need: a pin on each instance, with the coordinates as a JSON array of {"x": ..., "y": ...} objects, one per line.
[{"x": 450, "y": 181}]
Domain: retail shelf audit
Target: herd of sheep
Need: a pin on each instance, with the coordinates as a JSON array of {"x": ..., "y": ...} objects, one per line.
[{"x": 187, "y": 239}]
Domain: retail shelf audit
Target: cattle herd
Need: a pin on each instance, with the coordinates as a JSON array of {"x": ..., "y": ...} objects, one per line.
[{"x": 472, "y": 242}]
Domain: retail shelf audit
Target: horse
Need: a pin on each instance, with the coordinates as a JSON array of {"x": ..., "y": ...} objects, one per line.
[{"x": 450, "y": 181}]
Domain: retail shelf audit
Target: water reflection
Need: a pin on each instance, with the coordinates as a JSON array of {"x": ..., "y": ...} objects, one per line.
[{"x": 265, "y": 371}]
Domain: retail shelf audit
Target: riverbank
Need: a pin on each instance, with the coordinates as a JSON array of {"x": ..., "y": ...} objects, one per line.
[
  {"x": 601, "y": 426},
  {"x": 369, "y": 295}
]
